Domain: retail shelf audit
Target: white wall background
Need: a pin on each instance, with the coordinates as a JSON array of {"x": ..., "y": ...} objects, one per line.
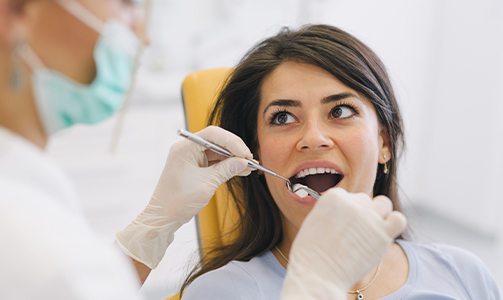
[{"x": 445, "y": 58}]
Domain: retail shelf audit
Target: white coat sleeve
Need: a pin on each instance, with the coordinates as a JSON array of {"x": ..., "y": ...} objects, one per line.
[{"x": 49, "y": 253}]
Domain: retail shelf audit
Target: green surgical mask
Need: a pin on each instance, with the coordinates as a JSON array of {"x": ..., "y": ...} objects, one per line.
[{"x": 63, "y": 102}]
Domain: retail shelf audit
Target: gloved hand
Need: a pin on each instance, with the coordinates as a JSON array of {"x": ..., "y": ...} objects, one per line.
[
  {"x": 189, "y": 180},
  {"x": 341, "y": 239}
]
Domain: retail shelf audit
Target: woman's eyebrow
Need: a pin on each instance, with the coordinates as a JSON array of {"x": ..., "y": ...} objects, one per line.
[
  {"x": 338, "y": 97},
  {"x": 283, "y": 102}
]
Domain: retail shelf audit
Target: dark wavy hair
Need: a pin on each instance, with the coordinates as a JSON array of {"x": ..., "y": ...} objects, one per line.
[{"x": 346, "y": 58}]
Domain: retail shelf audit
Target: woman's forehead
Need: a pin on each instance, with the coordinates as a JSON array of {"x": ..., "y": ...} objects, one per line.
[{"x": 301, "y": 81}]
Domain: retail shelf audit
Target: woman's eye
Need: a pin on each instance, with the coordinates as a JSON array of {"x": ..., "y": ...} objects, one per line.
[
  {"x": 342, "y": 112},
  {"x": 282, "y": 118}
]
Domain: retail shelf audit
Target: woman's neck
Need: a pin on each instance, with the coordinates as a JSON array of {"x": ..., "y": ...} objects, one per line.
[
  {"x": 18, "y": 112},
  {"x": 289, "y": 233},
  {"x": 394, "y": 263}
]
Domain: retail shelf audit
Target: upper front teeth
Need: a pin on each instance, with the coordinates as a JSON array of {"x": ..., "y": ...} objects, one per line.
[{"x": 311, "y": 171}]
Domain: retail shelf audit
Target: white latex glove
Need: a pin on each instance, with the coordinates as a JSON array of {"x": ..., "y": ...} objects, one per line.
[
  {"x": 189, "y": 180},
  {"x": 341, "y": 240}
]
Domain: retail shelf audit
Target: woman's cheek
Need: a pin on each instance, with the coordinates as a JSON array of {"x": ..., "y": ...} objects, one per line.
[
  {"x": 273, "y": 150},
  {"x": 274, "y": 155},
  {"x": 362, "y": 158}
]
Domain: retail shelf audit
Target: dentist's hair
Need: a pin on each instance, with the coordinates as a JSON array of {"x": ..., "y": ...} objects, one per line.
[{"x": 346, "y": 58}]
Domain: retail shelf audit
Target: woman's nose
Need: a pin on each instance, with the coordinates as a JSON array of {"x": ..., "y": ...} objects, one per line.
[{"x": 315, "y": 137}]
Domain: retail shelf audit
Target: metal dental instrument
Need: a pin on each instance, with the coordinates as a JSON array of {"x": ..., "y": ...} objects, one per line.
[
  {"x": 252, "y": 164},
  {"x": 297, "y": 187}
]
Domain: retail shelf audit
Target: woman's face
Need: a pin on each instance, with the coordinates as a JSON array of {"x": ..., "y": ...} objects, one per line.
[{"x": 316, "y": 131}]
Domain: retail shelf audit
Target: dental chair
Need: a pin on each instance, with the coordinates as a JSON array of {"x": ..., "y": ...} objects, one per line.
[{"x": 215, "y": 221}]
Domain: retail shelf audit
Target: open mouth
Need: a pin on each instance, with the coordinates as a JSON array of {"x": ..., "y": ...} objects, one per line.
[{"x": 319, "y": 179}]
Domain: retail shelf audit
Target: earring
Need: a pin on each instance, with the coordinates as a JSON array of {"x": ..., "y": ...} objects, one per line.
[{"x": 386, "y": 170}]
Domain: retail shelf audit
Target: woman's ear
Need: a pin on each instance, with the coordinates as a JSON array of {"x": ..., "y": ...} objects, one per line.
[{"x": 384, "y": 147}]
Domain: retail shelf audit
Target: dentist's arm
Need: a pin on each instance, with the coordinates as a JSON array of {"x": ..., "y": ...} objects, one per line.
[
  {"x": 189, "y": 180},
  {"x": 341, "y": 239}
]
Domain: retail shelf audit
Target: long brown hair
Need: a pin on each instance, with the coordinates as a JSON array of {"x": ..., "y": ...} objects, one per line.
[{"x": 333, "y": 50}]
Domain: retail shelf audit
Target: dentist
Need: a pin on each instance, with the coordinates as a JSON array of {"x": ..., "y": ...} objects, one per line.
[{"x": 67, "y": 62}]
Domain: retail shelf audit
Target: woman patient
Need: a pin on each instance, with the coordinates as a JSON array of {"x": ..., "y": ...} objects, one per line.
[{"x": 316, "y": 105}]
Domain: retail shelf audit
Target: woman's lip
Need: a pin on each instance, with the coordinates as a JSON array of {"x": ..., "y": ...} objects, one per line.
[{"x": 316, "y": 164}]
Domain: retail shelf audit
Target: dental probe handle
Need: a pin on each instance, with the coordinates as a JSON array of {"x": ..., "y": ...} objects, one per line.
[
  {"x": 206, "y": 144},
  {"x": 222, "y": 151},
  {"x": 265, "y": 170}
]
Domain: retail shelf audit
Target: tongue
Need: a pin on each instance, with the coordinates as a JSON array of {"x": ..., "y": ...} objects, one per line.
[{"x": 320, "y": 182}]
